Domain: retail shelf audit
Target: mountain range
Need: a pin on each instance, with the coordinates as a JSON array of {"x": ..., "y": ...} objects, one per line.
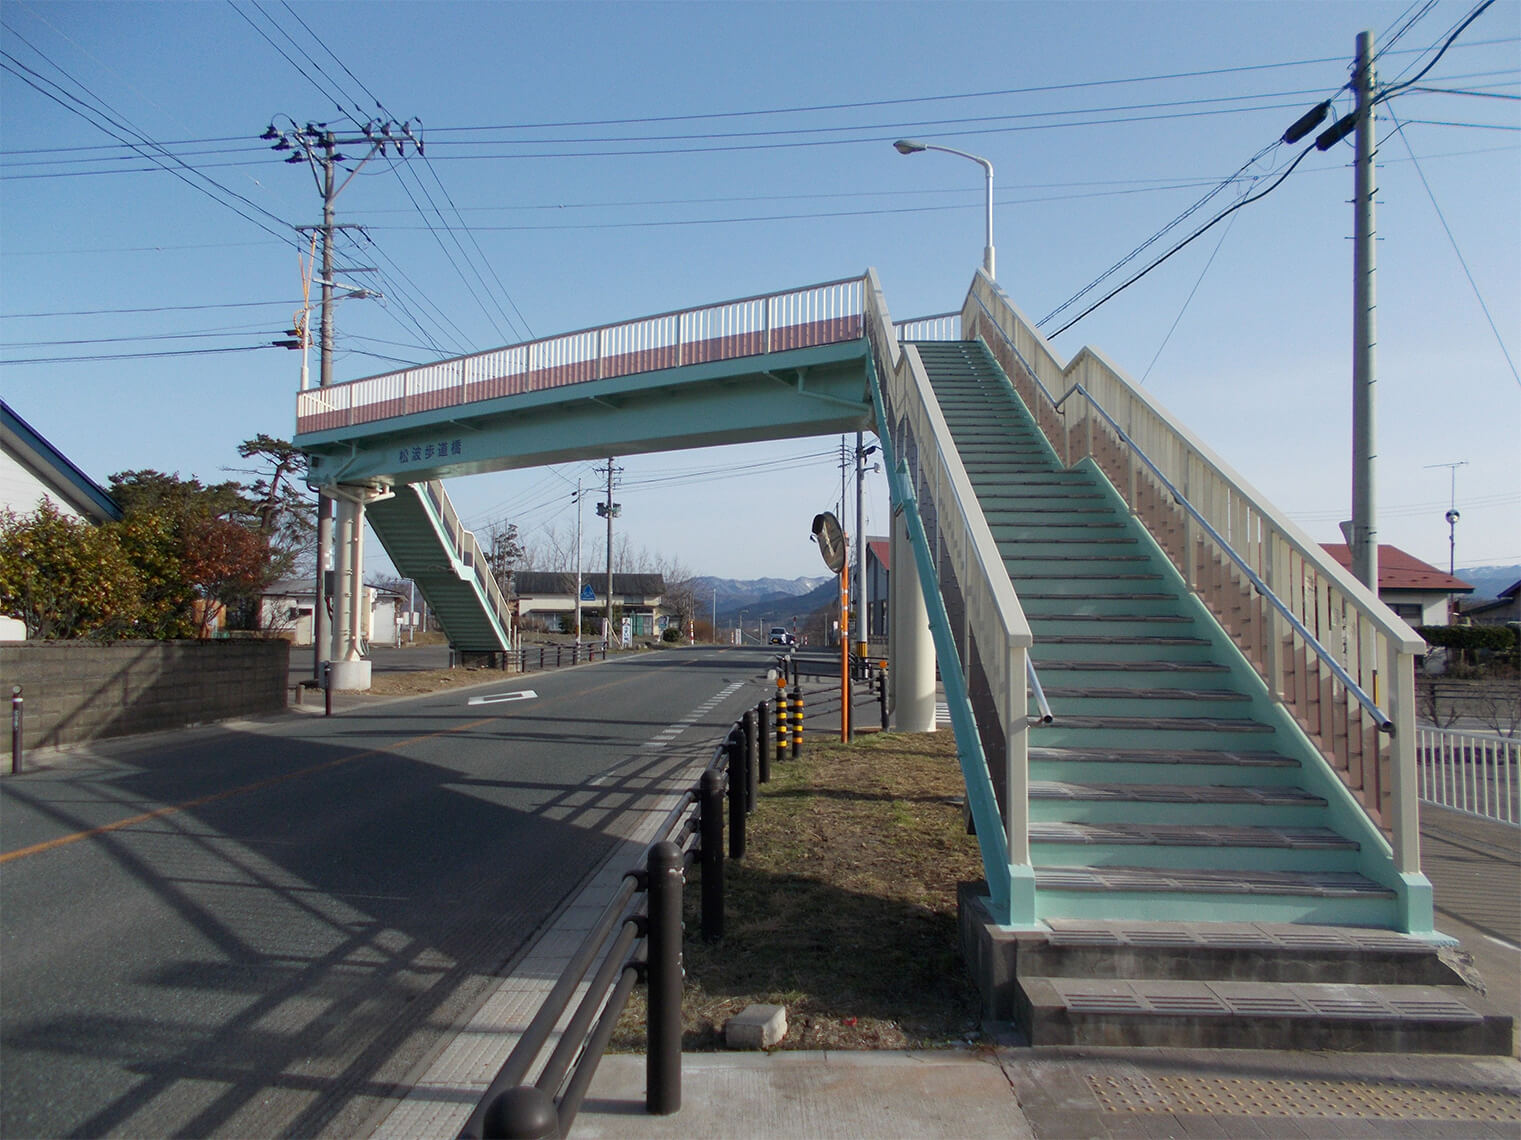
[{"x": 781, "y": 598}]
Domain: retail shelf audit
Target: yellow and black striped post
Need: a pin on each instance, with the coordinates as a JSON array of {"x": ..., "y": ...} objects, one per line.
[
  {"x": 783, "y": 734},
  {"x": 797, "y": 721}
]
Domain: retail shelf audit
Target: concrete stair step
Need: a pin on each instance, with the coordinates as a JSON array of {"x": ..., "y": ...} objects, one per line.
[
  {"x": 1190, "y": 794},
  {"x": 1190, "y": 846},
  {"x": 1163, "y": 756},
  {"x": 1261, "y": 1015}
]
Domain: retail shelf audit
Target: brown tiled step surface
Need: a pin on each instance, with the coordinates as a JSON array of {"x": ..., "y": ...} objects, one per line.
[
  {"x": 1261, "y": 1015},
  {"x": 1118, "y": 596},
  {"x": 1121, "y": 694},
  {"x": 1132, "y": 666},
  {"x": 1161, "y": 756},
  {"x": 1165, "y": 723},
  {"x": 1229, "y": 881},
  {"x": 1115, "y": 639},
  {"x": 1150, "y": 619},
  {"x": 1174, "y": 794},
  {"x": 1186, "y": 835}
]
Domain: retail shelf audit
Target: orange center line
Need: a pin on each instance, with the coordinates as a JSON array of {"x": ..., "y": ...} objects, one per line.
[{"x": 257, "y": 785}]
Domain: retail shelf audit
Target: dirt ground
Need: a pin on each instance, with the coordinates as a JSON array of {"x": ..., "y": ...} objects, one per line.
[{"x": 844, "y": 907}]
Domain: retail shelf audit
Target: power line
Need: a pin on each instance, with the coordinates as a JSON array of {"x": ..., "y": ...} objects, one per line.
[
  {"x": 1186, "y": 241},
  {"x": 117, "y": 126},
  {"x": 1474, "y": 285},
  {"x": 135, "y": 355},
  {"x": 1419, "y": 75},
  {"x": 874, "y": 103},
  {"x": 152, "y": 309}
]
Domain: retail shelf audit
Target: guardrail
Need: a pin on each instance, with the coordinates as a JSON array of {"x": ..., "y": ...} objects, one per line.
[
  {"x": 1291, "y": 608},
  {"x": 815, "y": 315},
  {"x": 537, "y": 658},
  {"x": 981, "y": 636},
  {"x": 1471, "y": 773},
  {"x": 637, "y": 936}
]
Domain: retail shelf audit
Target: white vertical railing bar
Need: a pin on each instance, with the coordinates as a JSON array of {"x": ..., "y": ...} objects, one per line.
[{"x": 1471, "y": 773}]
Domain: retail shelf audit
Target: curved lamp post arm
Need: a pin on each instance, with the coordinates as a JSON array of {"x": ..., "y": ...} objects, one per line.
[{"x": 914, "y": 146}]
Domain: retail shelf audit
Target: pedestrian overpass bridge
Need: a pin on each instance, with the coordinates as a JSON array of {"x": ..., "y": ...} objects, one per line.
[{"x": 1232, "y": 736}]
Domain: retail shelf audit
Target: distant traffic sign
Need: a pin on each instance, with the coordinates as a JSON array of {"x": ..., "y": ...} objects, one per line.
[{"x": 588, "y": 594}]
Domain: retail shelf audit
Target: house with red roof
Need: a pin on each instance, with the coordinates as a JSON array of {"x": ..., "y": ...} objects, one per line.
[{"x": 1416, "y": 590}]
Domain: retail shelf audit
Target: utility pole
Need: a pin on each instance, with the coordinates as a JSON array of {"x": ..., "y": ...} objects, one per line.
[
  {"x": 317, "y": 146},
  {"x": 610, "y": 510},
  {"x": 1363, "y": 536},
  {"x": 578, "y": 562}
]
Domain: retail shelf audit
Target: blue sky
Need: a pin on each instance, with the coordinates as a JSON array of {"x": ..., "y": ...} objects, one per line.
[{"x": 746, "y": 148}]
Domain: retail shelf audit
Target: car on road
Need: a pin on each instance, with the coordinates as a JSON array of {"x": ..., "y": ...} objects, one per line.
[{"x": 780, "y": 636}]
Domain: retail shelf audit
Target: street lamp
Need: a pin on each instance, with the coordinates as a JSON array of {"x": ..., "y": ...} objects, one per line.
[{"x": 914, "y": 146}]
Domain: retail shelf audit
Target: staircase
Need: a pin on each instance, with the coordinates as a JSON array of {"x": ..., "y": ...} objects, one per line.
[
  {"x": 1203, "y": 875},
  {"x": 426, "y": 543}
]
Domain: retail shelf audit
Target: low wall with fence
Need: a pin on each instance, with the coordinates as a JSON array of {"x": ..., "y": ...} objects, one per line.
[{"x": 76, "y": 691}]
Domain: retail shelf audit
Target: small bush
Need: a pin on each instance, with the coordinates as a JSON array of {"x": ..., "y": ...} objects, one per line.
[{"x": 671, "y": 634}]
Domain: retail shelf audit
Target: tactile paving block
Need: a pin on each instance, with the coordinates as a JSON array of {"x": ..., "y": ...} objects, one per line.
[{"x": 1236, "y": 1096}]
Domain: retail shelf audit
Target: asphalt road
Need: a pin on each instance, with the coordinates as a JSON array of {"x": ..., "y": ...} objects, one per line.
[{"x": 260, "y": 929}]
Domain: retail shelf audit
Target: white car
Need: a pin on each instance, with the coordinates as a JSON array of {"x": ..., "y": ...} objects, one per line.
[{"x": 780, "y": 636}]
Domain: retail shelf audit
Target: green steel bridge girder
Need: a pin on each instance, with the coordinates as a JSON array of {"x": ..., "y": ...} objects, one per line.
[{"x": 784, "y": 395}]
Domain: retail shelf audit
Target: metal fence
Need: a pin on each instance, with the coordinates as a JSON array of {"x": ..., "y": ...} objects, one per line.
[
  {"x": 1471, "y": 773},
  {"x": 637, "y": 937}
]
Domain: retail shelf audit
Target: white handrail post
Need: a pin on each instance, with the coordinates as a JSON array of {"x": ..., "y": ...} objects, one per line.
[
  {"x": 1406, "y": 804},
  {"x": 1016, "y": 756},
  {"x": 597, "y": 372}
]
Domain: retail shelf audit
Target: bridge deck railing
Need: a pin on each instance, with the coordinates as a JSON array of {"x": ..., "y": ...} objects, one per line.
[{"x": 826, "y": 313}]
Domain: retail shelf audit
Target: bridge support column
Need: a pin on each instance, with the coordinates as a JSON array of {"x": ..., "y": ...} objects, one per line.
[
  {"x": 350, "y": 670},
  {"x": 912, "y": 652}
]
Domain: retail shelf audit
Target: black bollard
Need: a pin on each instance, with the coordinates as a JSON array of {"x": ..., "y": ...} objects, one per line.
[
  {"x": 762, "y": 742},
  {"x": 797, "y": 721},
  {"x": 521, "y": 1113},
  {"x": 711, "y": 822},
  {"x": 737, "y": 794},
  {"x": 662, "y": 1074},
  {"x": 16, "y": 730}
]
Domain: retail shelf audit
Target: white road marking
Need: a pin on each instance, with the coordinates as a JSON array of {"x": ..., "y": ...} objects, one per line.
[
  {"x": 502, "y": 698},
  {"x": 1502, "y": 942}
]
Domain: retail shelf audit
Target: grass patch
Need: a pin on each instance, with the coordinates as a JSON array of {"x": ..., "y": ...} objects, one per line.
[{"x": 844, "y": 907}]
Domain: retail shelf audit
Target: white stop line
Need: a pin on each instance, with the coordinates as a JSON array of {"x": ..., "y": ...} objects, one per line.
[{"x": 502, "y": 698}]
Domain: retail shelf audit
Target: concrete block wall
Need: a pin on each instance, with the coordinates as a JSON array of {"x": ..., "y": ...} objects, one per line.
[{"x": 76, "y": 691}]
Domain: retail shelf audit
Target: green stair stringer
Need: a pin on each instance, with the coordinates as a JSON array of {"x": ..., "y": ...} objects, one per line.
[
  {"x": 1011, "y": 889},
  {"x": 409, "y": 527}
]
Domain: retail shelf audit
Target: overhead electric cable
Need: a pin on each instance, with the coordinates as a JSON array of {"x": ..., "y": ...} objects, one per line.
[
  {"x": 1474, "y": 285},
  {"x": 1456, "y": 32},
  {"x": 1277, "y": 182}
]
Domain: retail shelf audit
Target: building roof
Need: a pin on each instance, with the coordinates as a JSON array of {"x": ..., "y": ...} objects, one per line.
[
  {"x": 53, "y": 468},
  {"x": 1400, "y": 571},
  {"x": 881, "y": 550},
  {"x": 564, "y": 584}
]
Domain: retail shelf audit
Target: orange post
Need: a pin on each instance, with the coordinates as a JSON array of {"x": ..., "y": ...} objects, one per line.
[{"x": 845, "y": 653}]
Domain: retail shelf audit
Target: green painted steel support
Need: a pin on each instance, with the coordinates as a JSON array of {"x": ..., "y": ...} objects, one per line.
[{"x": 782, "y": 395}]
